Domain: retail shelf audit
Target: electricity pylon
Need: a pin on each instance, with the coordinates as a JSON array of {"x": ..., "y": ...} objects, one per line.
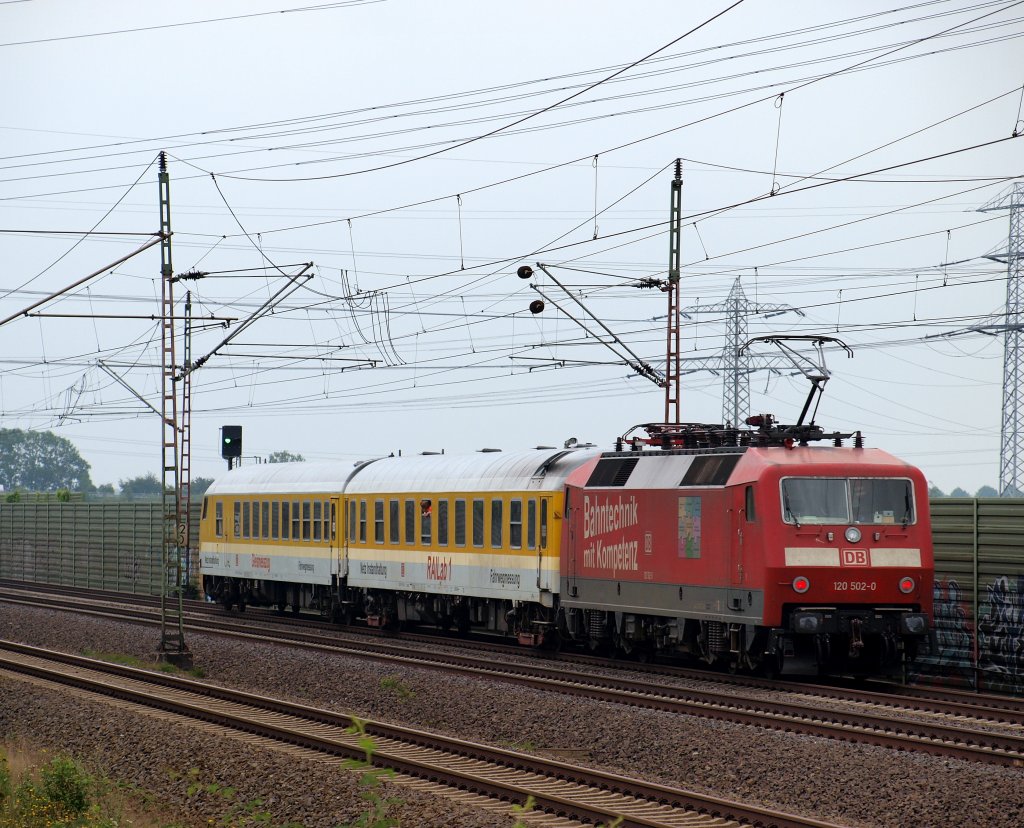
[
  {"x": 1011, "y": 442},
  {"x": 736, "y": 367}
]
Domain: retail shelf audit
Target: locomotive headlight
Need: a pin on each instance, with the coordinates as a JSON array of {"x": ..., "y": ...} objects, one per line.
[
  {"x": 906, "y": 584},
  {"x": 852, "y": 534},
  {"x": 801, "y": 584}
]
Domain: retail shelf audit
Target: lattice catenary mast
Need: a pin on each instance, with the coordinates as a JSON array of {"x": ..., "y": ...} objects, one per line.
[{"x": 1011, "y": 443}]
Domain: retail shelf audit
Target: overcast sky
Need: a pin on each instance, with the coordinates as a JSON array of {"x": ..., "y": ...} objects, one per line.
[{"x": 418, "y": 153}]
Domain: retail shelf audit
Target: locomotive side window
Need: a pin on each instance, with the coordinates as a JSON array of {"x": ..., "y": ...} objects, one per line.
[
  {"x": 515, "y": 524},
  {"x": 478, "y": 523},
  {"x": 460, "y": 522},
  {"x": 496, "y": 520},
  {"x": 285, "y": 518},
  {"x": 442, "y": 522},
  {"x": 531, "y": 524},
  {"x": 218, "y": 510},
  {"x": 749, "y": 505},
  {"x": 238, "y": 519},
  {"x": 410, "y": 522},
  {"x": 378, "y": 521},
  {"x": 395, "y": 534}
]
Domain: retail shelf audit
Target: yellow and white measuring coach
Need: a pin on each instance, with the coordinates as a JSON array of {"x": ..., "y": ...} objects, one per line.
[{"x": 454, "y": 540}]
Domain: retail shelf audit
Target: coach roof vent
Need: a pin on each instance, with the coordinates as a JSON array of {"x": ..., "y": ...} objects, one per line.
[
  {"x": 488, "y": 450},
  {"x": 612, "y": 471}
]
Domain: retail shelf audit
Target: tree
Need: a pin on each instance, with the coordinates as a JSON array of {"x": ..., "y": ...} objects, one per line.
[
  {"x": 104, "y": 489},
  {"x": 199, "y": 485},
  {"x": 41, "y": 461},
  {"x": 935, "y": 491},
  {"x": 285, "y": 457},
  {"x": 145, "y": 486},
  {"x": 958, "y": 492},
  {"x": 986, "y": 491}
]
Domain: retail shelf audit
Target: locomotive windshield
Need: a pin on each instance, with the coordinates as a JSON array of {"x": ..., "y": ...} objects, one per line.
[{"x": 865, "y": 500}]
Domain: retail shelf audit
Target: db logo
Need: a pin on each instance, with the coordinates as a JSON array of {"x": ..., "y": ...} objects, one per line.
[{"x": 855, "y": 557}]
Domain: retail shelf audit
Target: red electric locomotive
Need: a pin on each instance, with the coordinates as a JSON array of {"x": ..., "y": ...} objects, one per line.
[{"x": 751, "y": 549}]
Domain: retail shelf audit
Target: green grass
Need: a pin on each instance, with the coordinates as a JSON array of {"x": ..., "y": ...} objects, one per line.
[{"x": 142, "y": 664}]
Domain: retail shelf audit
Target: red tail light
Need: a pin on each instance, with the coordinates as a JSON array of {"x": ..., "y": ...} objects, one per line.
[
  {"x": 906, "y": 585},
  {"x": 801, "y": 584}
]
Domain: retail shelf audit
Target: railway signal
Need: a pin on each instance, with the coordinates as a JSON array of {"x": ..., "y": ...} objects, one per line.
[{"x": 230, "y": 443}]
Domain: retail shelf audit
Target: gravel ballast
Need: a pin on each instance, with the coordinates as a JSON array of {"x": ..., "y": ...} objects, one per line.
[{"x": 847, "y": 784}]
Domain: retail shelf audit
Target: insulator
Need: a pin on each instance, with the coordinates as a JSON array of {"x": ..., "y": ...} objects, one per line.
[
  {"x": 524, "y": 272},
  {"x": 536, "y": 306}
]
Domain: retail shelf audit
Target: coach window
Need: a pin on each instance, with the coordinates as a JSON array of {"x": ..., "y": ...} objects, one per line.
[
  {"x": 218, "y": 511},
  {"x": 410, "y": 522},
  {"x": 362, "y": 521},
  {"x": 515, "y": 524},
  {"x": 265, "y": 519},
  {"x": 378, "y": 521},
  {"x": 426, "y": 523},
  {"x": 318, "y": 517},
  {"x": 531, "y": 524},
  {"x": 460, "y": 522},
  {"x": 328, "y": 516},
  {"x": 442, "y": 522},
  {"x": 496, "y": 517},
  {"x": 544, "y": 523},
  {"x": 275, "y": 519},
  {"x": 749, "y": 505},
  {"x": 394, "y": 529},
  {"x": 285, "y": 519},
  {"x": 351, "y": 520},
  {"x": 478, "y": 523},
  {"x": 306, "y": 510},
  {"x": 296, "y": 520},
  {"x": 246, "y": 512},
  {"x": 238, "y": 519}
]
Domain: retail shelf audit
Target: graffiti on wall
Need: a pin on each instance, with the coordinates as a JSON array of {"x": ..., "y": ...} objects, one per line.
[
  {"x": 1001, "y": 635},
  {"x": 951, "y": 659}
]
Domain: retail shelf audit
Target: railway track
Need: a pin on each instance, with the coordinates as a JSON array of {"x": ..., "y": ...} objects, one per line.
[
  {"x": 980, "y": 730},
  {"x": 562, "y": 790}
]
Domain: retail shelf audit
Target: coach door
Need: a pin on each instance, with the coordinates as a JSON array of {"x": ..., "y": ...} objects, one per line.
[
  {"x": 339, "y": 559},
  {"x": 547, "y": 580}
]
